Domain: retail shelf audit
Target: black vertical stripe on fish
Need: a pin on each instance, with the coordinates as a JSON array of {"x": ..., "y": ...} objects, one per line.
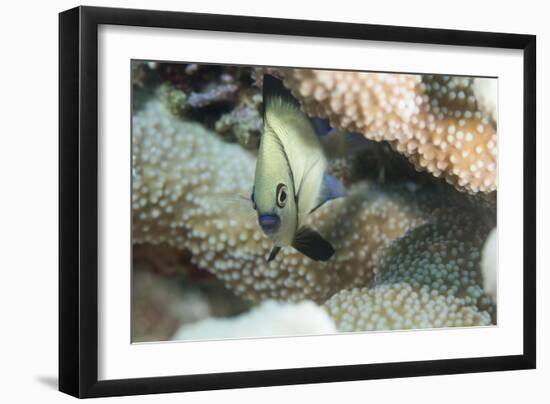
[
  {"x": 289, "y": 167},
  {"x": 283, "y": 151},
  {"x": 312, "y": 244},
  {"x": 304, "y": 175}
]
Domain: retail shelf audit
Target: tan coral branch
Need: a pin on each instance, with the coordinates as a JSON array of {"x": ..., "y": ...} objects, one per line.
[{"x": 433, "y": 120}]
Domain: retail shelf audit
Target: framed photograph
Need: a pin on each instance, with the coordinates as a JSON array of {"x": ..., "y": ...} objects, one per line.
[{"x": 252, "y": 201}]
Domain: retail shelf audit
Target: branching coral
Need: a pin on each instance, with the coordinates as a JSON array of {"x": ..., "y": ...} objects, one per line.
[
  {"x": 220, "y": 97},
  {"x": 244, "y": 122},
  {"x": 435, "y": 121},
  {"x": 175, "y": 99},
  {"x": 212, "y": 95},
  {"x": 185, "y": 182}
]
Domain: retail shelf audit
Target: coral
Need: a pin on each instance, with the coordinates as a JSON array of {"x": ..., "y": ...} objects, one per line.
[
  {"x": 180, "y": 102},
  {"x": 244, "y": 122},
  {"x": 400, "y": 306},
  {"x": 212, "y": 95},
  {"x": 489, "y": 264},
  {"x": 205, "y": 79},
  {"x": 443, "y": 254},
  {"x": 186, "y": 184},
  {"x": 486, "y": 91},
  {"x": 430, "y": 277},
  {"x": 373, "y": 161},
  {"x": 169, "y": 292},
  {"x": 160, "y": 306},
  {"x": 141, "y": 73},
  {"x": 160, "y": 259},
  {"x": 174, "y": 98},
  {"x": 268, "y": 319},
  {"x": 221, "y": 98},
  {"x": 435, "y": 121}
]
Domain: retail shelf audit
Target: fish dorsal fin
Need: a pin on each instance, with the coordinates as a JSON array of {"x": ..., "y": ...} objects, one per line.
[
  {"x": 312, "y": 244},
  {"x": 274, "y": 89},
  {"x": 331, "y": 188},
  {"x": 273, "y": 253}
]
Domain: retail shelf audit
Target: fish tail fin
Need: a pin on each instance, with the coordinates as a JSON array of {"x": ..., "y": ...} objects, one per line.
[{"x": 312, "y": 245}]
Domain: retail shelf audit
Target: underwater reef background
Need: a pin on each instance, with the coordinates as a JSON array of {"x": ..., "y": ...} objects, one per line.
[{"x": 409, "y": 236}]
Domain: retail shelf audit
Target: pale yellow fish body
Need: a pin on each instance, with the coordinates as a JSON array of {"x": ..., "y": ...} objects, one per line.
[
  {"x": 289, "y": 141},
  {"x": 304, "y": 151},
  {"x": 290, "y": 180}
]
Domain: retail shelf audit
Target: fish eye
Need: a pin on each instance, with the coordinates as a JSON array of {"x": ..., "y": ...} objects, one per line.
[{"x": 281, "y": 195}]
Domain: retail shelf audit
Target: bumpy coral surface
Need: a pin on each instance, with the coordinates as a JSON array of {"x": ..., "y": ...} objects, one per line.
[
  {"x": 187, "y": 188},
  {"x": 400, "y": 306},
  {"x": 430, "y": 277},
  {"x": 444, "y": 255},
  {"x": 436, "y": 121},
  {"x": 486, "y": 91}
]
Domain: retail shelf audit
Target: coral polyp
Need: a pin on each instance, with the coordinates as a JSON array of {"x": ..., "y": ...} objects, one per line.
[{"x": 400, "y": 306}]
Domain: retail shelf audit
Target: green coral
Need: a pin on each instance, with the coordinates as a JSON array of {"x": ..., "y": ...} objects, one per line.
[{"x": 174, "y": 98}]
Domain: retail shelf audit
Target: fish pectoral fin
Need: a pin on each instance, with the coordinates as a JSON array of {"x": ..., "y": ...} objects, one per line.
[
  {"x": 273, "y": 253},
  {"x": 312, "y": 245},
  {"x": 332, "y": 188}
]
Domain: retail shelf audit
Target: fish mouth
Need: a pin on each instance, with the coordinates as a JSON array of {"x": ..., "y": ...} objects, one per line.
[{"x": 269, "y": 223}]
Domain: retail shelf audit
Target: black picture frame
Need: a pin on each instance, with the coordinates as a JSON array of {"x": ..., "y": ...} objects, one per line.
[{"x": 78, "y": 201}]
